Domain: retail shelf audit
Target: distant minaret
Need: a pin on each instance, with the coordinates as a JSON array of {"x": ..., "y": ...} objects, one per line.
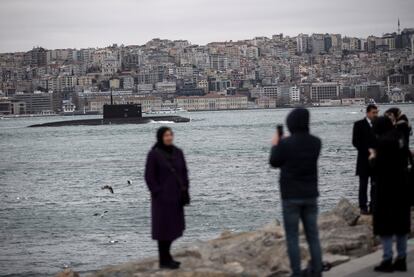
[{"x": 399, "y": 26}]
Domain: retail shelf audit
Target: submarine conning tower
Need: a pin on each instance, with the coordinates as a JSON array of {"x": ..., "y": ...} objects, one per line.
[{"x": 122, "y": 111}]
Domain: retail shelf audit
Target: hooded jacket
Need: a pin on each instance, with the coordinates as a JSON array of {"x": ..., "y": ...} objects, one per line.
[{"x": 297, "y": 157}]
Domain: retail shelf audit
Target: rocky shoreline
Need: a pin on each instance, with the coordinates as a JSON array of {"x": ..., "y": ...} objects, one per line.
[{"x": 344, "y": 234}]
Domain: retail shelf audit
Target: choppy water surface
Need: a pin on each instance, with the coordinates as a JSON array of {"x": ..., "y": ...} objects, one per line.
[{"x": 51, "y": 178}]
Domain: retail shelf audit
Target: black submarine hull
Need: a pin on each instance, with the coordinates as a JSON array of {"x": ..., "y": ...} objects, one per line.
[{"x": 110, "y": 121}]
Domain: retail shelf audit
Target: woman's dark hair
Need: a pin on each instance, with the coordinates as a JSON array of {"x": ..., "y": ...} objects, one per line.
[
  {"x": 382, "y": 125},
  {"x": 394, "y": 111},
  {"x": 371, "y": 107}
]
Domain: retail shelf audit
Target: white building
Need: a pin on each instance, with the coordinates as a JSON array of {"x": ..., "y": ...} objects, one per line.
[
  {"x": 294, "y": 94},
  {"x": 212, "y": 102}
]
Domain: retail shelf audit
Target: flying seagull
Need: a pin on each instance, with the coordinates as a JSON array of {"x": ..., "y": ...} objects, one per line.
[
  {"x": 102, "y": 215},
  {"x": 108, "y": 188}
]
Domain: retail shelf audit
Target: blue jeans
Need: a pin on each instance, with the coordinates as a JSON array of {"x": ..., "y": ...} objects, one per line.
[
  {"x": 305, "y": 210},
  {"x": 386, "y": 242}
]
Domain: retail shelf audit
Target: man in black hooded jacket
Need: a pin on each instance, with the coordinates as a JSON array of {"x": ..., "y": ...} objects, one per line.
[{"x": 297, "y": 157}]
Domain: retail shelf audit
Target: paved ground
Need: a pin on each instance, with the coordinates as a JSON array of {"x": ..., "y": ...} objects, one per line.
[{"x": 363, "y": 267}]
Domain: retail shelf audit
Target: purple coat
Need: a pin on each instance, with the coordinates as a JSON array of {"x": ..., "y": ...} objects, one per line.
[{"x": 167, "y": 213}]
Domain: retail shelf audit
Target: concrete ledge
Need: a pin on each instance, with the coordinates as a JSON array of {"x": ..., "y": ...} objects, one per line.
[{"x": 364, "y": 266}]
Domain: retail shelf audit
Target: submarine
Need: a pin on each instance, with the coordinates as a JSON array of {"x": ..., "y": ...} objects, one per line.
[{"x": 116, "y": 114}]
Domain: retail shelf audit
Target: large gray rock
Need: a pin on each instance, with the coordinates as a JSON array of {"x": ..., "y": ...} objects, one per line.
[
  {"x": 260, "y": 253},
  {"x": 347, "y": 211}
]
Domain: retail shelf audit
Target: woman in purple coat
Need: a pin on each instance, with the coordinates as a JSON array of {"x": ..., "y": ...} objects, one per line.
[{"x": 167, "y": 179}]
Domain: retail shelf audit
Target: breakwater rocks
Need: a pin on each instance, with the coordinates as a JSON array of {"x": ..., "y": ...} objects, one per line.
[{"x": 344, "y": 236}]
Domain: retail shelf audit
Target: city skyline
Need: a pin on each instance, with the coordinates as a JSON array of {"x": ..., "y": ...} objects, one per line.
[{"x": 72, "y": 25}]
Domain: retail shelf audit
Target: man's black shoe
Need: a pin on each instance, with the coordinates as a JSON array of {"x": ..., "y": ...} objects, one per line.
[
  {"x": 385, "y": 266},
  {"x": 400, "y": 264}
]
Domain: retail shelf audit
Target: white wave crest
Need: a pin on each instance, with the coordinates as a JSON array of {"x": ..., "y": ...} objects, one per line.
[{"x": 162, "y": 122}]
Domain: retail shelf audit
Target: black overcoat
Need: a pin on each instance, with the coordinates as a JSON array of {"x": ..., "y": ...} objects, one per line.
[
  {"x": 391, "y": 214},
  {"x": 363, "y": 138},
  {"x": 166, "y": 209}
]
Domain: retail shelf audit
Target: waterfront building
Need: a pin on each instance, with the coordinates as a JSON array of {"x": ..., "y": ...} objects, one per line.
[
  {"x": 265, "y": 102},
  {"x": 94, "y": 101},
  {"x": 324, "y": 91},
  {"x": 40, "y": 102},
  {"x": 10, "y": 106},
  {"x": 212, "y": 102}
]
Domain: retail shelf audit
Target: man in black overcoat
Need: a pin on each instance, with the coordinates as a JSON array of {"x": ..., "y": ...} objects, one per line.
[{"x": 363, "y": 139}]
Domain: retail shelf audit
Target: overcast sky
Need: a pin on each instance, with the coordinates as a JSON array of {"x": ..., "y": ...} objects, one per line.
[{"x": 92, "y": 23}]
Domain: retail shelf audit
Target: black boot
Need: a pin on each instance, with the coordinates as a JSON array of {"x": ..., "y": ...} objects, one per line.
[
  {"x": 166, "y": 260},
  {"x": 400, "y": 264},
  {"x": 169, "y": 265},
  {"x": 385, "y": 266},
  {"x": 176, "y": 262}
]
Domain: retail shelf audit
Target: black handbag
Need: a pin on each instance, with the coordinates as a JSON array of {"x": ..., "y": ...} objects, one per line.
[{"x": 185, "y": 194}]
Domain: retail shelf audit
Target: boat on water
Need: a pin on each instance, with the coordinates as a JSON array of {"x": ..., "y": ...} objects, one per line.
[
  {"x": 117, "y": 114},
  {"x": 43, "y": 114},
  {"x": 167, "y": 111}
]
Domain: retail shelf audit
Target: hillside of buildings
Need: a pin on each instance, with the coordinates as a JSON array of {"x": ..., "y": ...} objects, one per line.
[{"x": 317, "y": 69}]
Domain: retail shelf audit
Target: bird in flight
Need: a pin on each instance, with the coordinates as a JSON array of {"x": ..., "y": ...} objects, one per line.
[{"x": 108, "y": 188}]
